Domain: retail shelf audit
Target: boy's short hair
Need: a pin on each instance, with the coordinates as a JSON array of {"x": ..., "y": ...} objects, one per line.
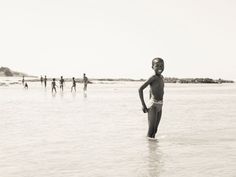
[{"x": 155, "y": 60}]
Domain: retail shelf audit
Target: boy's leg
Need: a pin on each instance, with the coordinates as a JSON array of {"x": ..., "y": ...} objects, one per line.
[
  {"x": 154, "y": 117},
  {"x": 151, "y": 121},
  {"x": 157, "y": 121}
]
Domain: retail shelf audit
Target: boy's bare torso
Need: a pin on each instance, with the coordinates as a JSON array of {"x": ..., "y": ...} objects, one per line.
[{"x": 157, "y": 88}]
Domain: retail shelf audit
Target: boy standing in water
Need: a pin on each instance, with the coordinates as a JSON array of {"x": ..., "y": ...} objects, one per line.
[
  {"x": 23, "y": 80},
  {"x": 154, "y": 110},
  {"x": 41, "y": 80},
  {"x": 73, "y": 84},
  {"x": 45, "y": 81},
  {"x": 62, "y": 83},
  {"x": 26, "y": 85},
  {"x": 54, "y": 85},
  {"x": 85, "y": 81}
]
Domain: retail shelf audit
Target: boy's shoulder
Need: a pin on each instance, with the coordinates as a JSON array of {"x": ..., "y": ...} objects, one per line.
[{"x": 151, "y": 79}]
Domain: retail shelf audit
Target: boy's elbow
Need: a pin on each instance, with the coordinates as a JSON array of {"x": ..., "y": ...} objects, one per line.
[{"x": 140, "y": 90}]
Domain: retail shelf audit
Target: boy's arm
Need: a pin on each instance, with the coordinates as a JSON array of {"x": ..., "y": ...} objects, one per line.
[{"x": 149, "y": 81}]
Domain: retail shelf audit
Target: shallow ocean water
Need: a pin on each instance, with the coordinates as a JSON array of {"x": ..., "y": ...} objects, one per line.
[{"x": 103, "y": 133}]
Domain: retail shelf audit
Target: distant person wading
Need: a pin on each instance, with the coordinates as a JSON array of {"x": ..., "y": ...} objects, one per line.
[
  {"x": 85, "y": 81},
  {"x": 41, "y": 80},
  {"x": 61, "y": 83},
  {"x": 45, "y": 81},
  {"x": 73, "y": 85},
  {"x": 54, "y": 85}
]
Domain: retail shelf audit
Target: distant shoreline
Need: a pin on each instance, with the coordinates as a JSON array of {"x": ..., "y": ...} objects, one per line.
[
  {"x": 197, "y": 80},
  {"x": 175, "y": 80},
  {"x": 6, "y": 72},
  {"x": 110, "y": 80}
]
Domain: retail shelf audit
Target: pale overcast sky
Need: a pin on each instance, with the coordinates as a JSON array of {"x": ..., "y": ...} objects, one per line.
[{"x": 108, "y": 38}]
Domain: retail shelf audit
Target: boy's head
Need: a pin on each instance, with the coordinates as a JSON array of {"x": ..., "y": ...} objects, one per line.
[
  {"x": 53, "y": 79},
  {"x": 158, "y": 65}
]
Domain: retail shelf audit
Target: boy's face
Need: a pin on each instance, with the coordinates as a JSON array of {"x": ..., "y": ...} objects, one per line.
[{"x": 158, "y": 66}]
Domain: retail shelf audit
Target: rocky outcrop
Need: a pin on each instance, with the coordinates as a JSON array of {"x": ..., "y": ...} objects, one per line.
[{"x": 4, "y": 71}]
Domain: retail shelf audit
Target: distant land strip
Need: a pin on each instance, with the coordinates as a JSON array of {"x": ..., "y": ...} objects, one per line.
[{"x": 7, "y": 72}]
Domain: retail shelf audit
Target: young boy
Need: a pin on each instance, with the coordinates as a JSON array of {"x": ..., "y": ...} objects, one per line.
[
  {"x": 23, "y": 80},
  {"x": 41, "y": 79},
  {"x": 54, "y": 85},
  {"x": 45, "y": 81},
  {"x": 26, "y": 85},
  {"x": 85, "y": 81},
  {"x": 62, "y": 83},
  {"x": 73, "y": 84},
  {"x": 154, "y": 110}
]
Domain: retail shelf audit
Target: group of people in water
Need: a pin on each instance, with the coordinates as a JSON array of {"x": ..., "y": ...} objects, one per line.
[
  {"x": 154, "y": 108},
  {"x": 24, "y": 83},
  {"x": 61, "y": 83}
]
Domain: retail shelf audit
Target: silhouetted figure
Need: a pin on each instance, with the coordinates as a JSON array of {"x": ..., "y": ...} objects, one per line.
[
  {"x": 85, "y": 81},
  {"x": 54, "y": 85},
  {"x": 23, "y": 80},
  {"x": 61, "y": 83},
  {"x": 73, "y": 84},
  {"x": 45, "y": 81},
  {"x": 26, "y": 85},
  {"x": 41, "y": 80},
  {"x": 156, "y": 84}
]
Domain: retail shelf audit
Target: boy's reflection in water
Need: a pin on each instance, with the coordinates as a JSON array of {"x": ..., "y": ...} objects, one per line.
[
  {"x": 73, "y": 94},
  {"x": 62, "y": 95},
  {"x": 155, "y": 163},
  {"x": 85, "y": 94},
  {"x": 54, "y": 94}
]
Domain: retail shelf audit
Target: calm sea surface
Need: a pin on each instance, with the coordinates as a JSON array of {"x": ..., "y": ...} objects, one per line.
[{"x": 103, "y": 133}]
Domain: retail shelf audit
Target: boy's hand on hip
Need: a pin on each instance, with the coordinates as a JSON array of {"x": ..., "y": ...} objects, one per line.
[{"x": 145, "y": 110}]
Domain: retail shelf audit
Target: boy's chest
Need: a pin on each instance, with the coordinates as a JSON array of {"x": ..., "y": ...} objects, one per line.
[{"x": 157, "y": 83}]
